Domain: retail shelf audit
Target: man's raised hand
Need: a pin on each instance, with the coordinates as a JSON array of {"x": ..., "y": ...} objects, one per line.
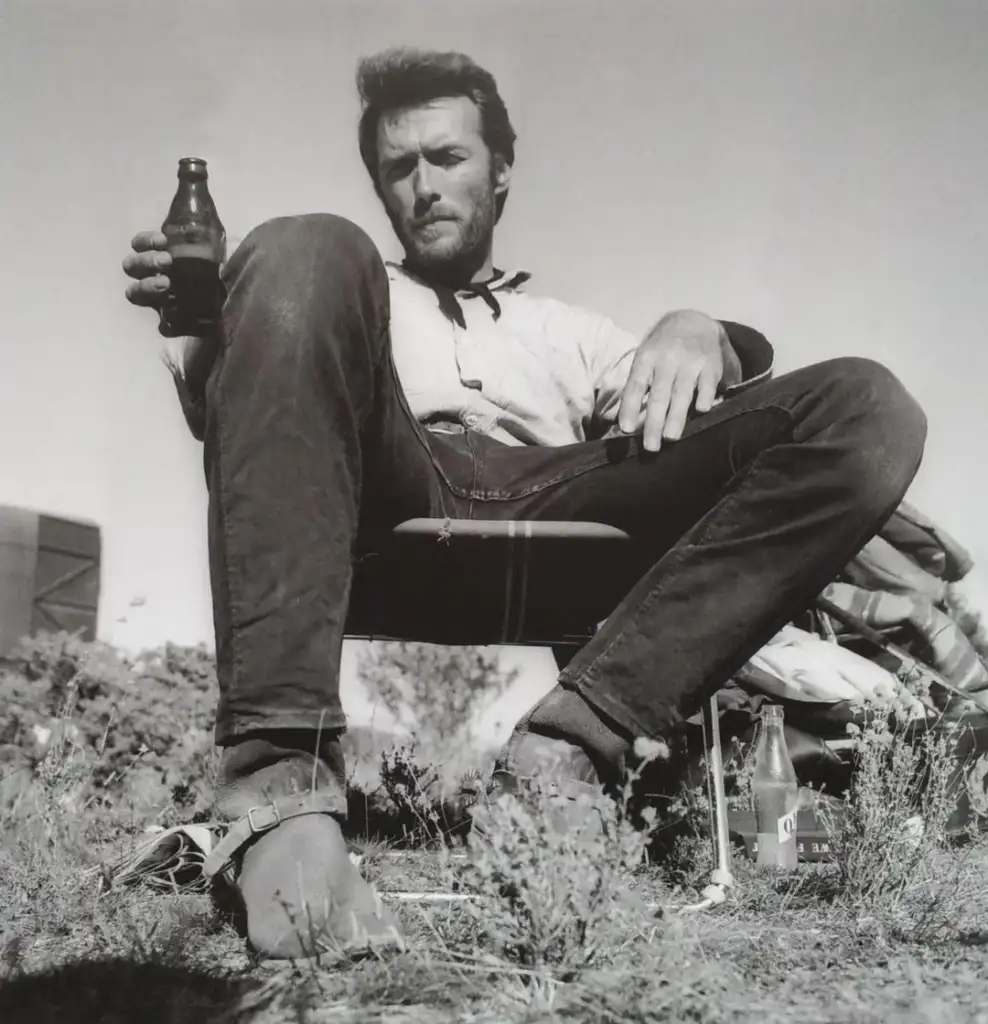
[
  {"x": 680, "y": 360},
  {"x": 148, "y": 265}
]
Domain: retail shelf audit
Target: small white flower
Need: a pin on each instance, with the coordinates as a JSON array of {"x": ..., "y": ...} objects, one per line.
[
  {"x": 913, "y": 829},
  {"x": 714, "y": 893},
  {"x": 651, "y": 750}
]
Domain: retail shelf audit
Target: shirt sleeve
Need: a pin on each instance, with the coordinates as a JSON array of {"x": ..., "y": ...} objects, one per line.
[
  {"x": 754, "y": 353},
  {"x": 611, "y": 352},
  {"x": 748, "y": 360}
]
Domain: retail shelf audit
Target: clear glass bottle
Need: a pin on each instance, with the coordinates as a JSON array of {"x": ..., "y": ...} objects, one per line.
[
  {"x": 775, "y": 793},
  {"x": 197, "y": 243}
]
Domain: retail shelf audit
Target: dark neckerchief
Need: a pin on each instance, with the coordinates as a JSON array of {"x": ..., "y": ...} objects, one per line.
[{"x": 450, "y": 304}]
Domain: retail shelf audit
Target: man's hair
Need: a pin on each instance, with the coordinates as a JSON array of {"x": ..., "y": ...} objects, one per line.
[{"x": 403, "y": 77}]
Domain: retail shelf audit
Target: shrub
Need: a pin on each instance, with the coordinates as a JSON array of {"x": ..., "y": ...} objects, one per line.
[
  {"x": 894, "y": 863},
  {"x": 434, "y": 692},
  {"x": 140, "y": 729},
  {"x": 555, "y": 877},
  {"x": 412, "y": 805}
]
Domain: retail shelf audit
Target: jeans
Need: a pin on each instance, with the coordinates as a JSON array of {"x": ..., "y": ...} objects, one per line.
[{"x": 310, "y": 449}]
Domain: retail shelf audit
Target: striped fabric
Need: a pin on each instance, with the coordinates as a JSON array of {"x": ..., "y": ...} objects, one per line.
[
  {"x": 927, "y": 544},
  {"x": 880, "y": 566},
  {"x": 950, "y": 651}
]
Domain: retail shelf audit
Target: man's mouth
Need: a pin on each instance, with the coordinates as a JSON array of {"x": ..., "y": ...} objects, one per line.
[{"x": 426, "y": 222}]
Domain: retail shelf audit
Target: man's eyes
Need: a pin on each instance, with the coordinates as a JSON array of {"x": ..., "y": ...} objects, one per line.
[
  {"x": 403, "y": 168},
  {"x": 395, "y": 172}
]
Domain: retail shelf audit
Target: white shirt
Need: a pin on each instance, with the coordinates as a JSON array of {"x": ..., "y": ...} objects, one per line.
[{"x": 541, "y": 372}]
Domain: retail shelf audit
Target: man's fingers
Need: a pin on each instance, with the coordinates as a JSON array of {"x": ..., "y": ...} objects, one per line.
[
  {"x": 150, "y": 291},
  {"x": 146, "y": 264},
  {"x": 630, "y": 409},
  {"x": 145, "y": 241},
  {"x": 706, "y": 388},
  {"x": 680, "y": 401},
  {"x": 658, "y": 409}
]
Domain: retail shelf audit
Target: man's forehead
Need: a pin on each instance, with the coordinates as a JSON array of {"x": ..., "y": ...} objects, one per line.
[{"x": 440, "y": 122}]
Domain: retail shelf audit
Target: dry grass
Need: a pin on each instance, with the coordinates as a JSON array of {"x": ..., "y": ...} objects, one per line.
[{"x": 565, "y": 925}]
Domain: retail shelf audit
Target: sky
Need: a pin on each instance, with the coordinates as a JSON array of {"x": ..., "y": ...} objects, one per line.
[{"x": 814, "y": 169}]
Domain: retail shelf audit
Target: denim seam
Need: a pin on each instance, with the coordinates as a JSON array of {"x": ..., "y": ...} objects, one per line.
[
  {"x": 591, "y": 672},
  {"x": 500, "y": 494},
  {"x": 474, "y": 494},
  {"x": 416, "y": 427},
  {"x": 232, "y": 582},
  {"x": 602, "y": 459},
  {"x": 477, "y": 464}
]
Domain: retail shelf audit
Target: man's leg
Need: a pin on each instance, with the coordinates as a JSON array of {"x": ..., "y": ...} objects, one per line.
[
  {"x": 740, "y": 524},
  {"x": 304, "y": 421}
]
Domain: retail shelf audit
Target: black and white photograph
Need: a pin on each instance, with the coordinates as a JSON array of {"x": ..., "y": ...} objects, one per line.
[{"x": 493, "y": 511}]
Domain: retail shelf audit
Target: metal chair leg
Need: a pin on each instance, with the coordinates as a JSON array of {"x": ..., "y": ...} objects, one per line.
[
  {"x": 719, "y": 829},
  {"x": 721, "y": 878}
]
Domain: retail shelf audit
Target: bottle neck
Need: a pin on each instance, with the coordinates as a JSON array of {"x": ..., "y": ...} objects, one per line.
[
  {"x": 193, "y": 186},
  {"x": 192, "y": 165},
  {"x": 772, "y": 725},
  {"x": 774, "y": 729},
  {"x": 773, "y": 715},
  {"x": 193, "y": 198}
]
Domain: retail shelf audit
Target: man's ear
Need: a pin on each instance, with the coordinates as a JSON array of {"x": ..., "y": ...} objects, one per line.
[{"x": 502, "y": 176}]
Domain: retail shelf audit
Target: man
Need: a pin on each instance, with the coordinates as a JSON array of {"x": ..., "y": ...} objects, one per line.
[{"x": 346, "y": 397}]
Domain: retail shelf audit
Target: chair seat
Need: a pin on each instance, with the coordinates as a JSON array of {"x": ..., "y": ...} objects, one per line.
[
  {"x": 483, "y": 581},
  {"x": 509, "y": 529}
]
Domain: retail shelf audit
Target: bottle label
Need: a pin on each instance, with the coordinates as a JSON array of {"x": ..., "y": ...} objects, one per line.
[{"x": 787, "y": 826}]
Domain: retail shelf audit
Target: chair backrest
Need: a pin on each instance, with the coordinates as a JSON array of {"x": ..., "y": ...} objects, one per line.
[{"x": 468, "y": 581}]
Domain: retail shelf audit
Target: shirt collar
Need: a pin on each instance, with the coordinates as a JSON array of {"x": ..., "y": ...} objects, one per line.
[{"x": 502, "y": 280}]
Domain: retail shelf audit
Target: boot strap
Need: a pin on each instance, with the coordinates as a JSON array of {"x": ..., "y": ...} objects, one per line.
[{"x": 258, "y": 820}]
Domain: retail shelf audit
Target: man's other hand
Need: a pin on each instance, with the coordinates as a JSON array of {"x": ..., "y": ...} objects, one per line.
[
  {"x": 680, "y": 360},
  {"x": 148, "y": 265}
]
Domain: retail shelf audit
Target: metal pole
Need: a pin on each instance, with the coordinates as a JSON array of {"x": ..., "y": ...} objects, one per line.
[
  {"x": 721, "y": 878},
  {"x": 715, "y": 790}
]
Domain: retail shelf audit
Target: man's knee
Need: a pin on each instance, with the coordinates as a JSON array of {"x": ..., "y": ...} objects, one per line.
[
  {"x": 301, "y": 275},
  {"x": 870, "y": 390},
  {"x": 891, "y": 425},
  {"x": 298, "y": 249},
  {"x": 305, "y": 232}
]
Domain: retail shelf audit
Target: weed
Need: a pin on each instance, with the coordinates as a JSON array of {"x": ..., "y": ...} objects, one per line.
[
  {"x": 555, "y": 874},
  {"x": 559, "y": 928},
  {"x": 895, "y": 867}
]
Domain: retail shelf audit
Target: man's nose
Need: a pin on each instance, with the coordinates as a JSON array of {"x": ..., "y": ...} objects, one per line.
[{"x": 424, "y": 185}]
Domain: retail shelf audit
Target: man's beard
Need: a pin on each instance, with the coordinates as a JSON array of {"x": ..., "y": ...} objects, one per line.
[{"x": 454, "y": 260}]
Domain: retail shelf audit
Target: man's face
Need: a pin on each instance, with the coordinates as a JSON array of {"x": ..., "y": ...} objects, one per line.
[{"x": 439, "y": 181}]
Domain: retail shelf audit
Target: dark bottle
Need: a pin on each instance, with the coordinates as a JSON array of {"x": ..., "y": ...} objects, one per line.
[{"x": 197, "y": 243}]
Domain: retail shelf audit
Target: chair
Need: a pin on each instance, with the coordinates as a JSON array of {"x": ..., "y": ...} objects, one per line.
[
  {"x": 465, "y": 581},
  {"x": 457, "y": 581}
]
